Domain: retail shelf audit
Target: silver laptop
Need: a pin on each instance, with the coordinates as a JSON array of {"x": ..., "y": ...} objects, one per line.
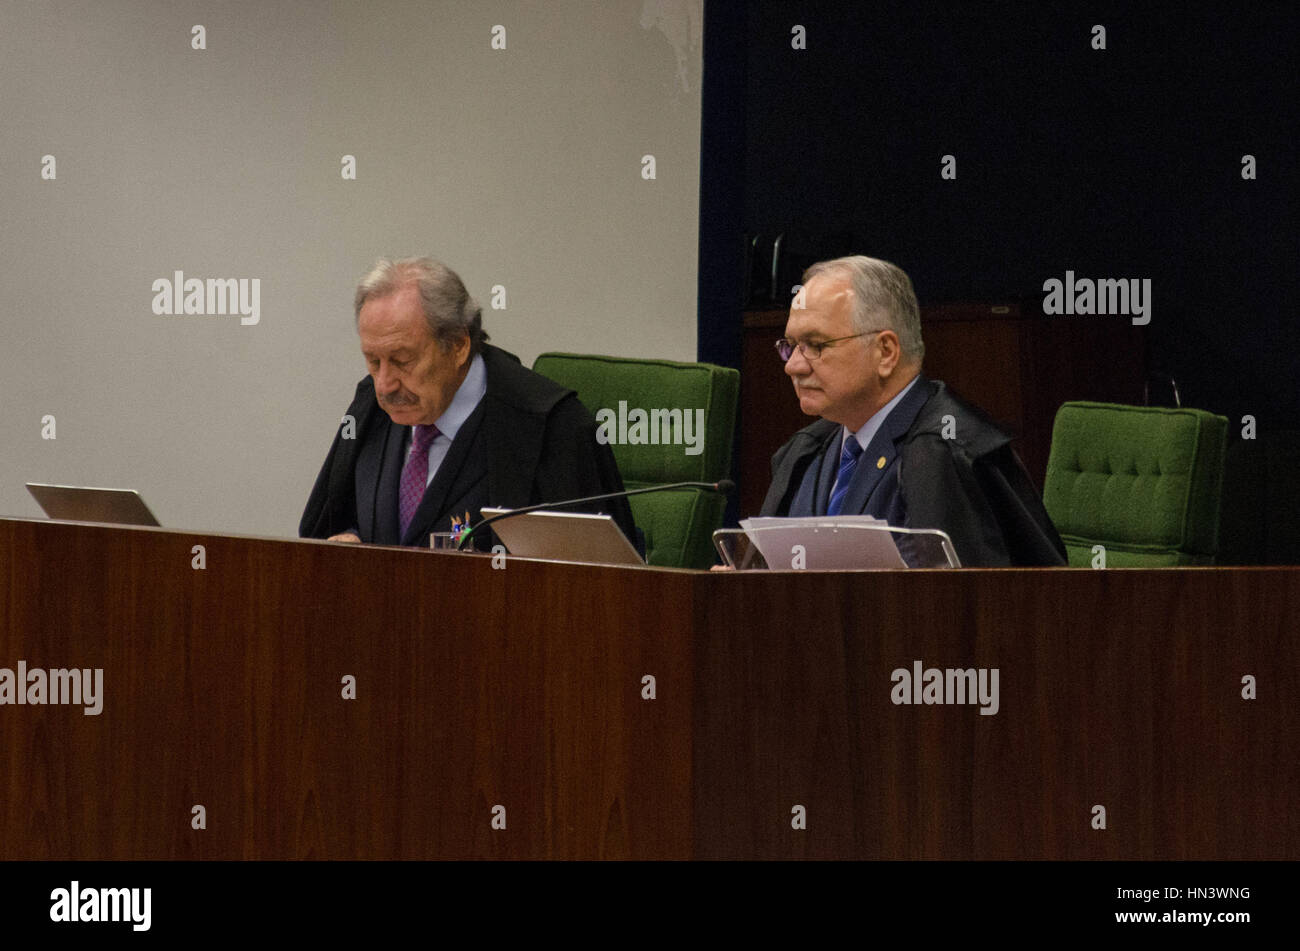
[
  {"x": 76, "y": 503},
  {"x": 565, "y": 536}
]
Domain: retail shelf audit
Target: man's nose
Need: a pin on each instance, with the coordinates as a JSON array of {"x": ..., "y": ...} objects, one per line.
[
  {"x": 798, "y": 364},
  {"x": 385, "y": 379}
]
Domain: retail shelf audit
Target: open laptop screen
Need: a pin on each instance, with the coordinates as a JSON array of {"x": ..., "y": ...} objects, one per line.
[{"x": 84, "y": 504}]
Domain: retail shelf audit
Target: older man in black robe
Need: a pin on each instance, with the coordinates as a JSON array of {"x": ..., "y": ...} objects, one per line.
[{"x": 890, "y": 442}]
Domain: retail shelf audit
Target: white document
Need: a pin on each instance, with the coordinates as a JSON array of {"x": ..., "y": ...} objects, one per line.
[{"x": 826, "y": 543}]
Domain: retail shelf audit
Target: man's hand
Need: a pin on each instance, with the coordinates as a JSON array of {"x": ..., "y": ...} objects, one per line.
[{"x": 345, "y": 537}]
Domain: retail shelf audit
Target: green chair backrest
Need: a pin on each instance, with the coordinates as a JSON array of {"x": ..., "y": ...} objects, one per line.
[
  {"x": 1142, "y": 481},
  {"x": 651, "y": 412}
]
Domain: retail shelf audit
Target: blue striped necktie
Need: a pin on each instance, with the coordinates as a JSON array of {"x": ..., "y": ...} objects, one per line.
[{"x": 848, "y": 463}]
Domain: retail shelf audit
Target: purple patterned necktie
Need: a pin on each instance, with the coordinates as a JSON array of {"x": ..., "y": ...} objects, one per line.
[{"x": 415, "y": 474}]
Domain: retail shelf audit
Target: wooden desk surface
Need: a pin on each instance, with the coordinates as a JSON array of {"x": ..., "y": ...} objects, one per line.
[{"x": 523, "y": 687}]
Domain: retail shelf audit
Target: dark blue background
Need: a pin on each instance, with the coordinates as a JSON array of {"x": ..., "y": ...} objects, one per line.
[{"x": 1118, "y": 163}]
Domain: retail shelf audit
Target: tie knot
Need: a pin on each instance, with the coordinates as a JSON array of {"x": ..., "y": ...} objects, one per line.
[
  {"x": 852, "y": 449},
  {"x": 422, "y": 438}
]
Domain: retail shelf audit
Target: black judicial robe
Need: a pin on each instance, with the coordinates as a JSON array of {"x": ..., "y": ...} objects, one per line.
[
  {"x": 528, "y": 441},
  {"x": 972, "y": 486}
]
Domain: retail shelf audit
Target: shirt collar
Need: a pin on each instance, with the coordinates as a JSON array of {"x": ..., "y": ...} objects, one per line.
[
  {"x": 872, "y": 426},
  {"x": 467, "y": 397}
]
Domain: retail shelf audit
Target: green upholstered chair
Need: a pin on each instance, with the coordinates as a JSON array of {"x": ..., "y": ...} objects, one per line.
[
  {"x": 678, "y": 525},
  {"x": 1143, "y": 481}
]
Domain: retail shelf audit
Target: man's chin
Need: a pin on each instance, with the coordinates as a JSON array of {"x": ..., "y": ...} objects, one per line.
[
  {"x": 810, "y": 404},
  {"x": 401, "y": 415}
]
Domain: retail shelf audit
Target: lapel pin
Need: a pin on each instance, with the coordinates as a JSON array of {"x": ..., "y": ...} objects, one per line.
[{"x": 880, "y": 463}]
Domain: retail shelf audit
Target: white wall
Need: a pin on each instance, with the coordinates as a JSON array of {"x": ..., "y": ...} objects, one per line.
[{"x": 520, "y": 167}]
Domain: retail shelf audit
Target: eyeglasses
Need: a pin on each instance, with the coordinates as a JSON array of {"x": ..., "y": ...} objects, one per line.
[{"x": 785, "y": 347}]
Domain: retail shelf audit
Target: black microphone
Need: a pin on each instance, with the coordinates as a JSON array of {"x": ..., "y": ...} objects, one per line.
[{"x": 723, "y": 485}]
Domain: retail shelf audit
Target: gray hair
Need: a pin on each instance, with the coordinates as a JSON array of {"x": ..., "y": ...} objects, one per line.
[
  {"x": 883, "y": 296},
  {"x": 447, "y": 306}
]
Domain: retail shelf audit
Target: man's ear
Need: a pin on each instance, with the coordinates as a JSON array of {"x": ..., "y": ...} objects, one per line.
[
  {"x": 891, "y": 352},
  {"x": 459, "y": 351}
]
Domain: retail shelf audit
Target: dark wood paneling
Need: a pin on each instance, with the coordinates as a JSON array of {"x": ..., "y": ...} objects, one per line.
[
  {"x": 1117, "y": 688},
  {"x": 223, "y": 688},
  {"x": 521, "y": 686}
]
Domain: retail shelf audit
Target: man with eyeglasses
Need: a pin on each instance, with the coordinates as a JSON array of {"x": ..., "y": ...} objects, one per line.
[{"x": 890, "y": 442}]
